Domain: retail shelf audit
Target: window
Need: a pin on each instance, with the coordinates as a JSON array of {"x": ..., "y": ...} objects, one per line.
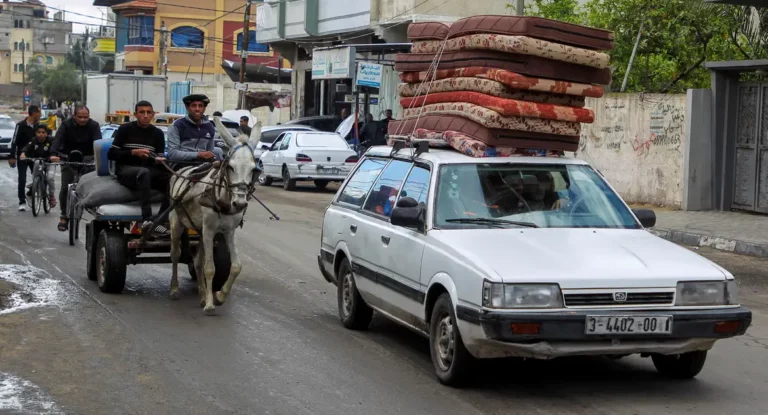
[
  {"x": 21, "y": 67},
  {"x": 27, "y": 24},
  {"x": 361, "y": 182},
  {"x": 276, "y": 144},
  {"x": 15, "y": 67},
  {"x": 49, "y": 60},
  {"x": 270, "y": 136},
  {"x": 550, "y": 196},
  {"x": 253, "y": 46},
  {"x": 417, "y": 185},
  {"x": 27, "y": 47},
  {"x": 321, "y": 140},
  {"x": 384, "y": 194},
  {"x": 286, "y": 141},
  {"x": 187, "y": 37},
  {"x": 141, "y": 30},
  {"x": 15, "y": 45}
]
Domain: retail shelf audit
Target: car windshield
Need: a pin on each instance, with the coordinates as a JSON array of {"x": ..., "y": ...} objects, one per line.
[
  {"x": 321, "y": 140},
  {"x": 519, "y": 195},
  {"x": 7, "y": 124},
  {"x": 107, "y": 132}
]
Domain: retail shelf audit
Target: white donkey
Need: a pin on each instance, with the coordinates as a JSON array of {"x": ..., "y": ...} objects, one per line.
[{"x": 213, "y": 204}]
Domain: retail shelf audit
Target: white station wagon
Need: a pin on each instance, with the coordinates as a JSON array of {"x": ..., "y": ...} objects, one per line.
[{"x": 531, "y": 257}]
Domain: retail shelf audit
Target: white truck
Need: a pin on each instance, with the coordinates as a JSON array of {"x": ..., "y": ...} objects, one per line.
[{"x": 113, "y": 93}]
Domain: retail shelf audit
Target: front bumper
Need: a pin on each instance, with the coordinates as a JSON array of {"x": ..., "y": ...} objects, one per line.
[
  {"x": 489, "y": 334},
  {"x": 5, "y": 148}
]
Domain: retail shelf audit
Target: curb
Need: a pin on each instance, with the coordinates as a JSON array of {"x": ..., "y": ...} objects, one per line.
[{"x": 723, "y": 244}]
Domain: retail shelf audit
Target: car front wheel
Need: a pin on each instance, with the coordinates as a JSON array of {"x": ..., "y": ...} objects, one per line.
[
  {"x": 451, "y": 360},
  {"x": 681, "y": 366}
]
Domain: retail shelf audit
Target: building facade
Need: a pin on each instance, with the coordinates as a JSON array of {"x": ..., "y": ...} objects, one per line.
[
  {"x": 27, "y": 34},
  {"x": 296, "y": 28}
]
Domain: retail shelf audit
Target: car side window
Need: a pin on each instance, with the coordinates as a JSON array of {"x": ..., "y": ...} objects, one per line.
[
  {"x": 286, "y": 141},
  {"x": 277, "y": 143},
  {"x": 362, "y": 180},
  {"x": 382, "y": 199},
  {"x": 417, "y": 185}
]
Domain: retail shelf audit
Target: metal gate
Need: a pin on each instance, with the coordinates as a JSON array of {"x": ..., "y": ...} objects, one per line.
[{"x": 751, "y": 165}]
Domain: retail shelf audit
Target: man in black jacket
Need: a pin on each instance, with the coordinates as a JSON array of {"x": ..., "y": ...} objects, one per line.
[
  {"x": 24, "y": 134},
  {"x": 135, "y": 145},
  {"x": 77, "y": 133}
]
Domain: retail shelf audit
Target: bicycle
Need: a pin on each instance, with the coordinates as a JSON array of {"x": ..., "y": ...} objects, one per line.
[
  {"x": 74, "y": 209},
  {"x": 39, "y": 189}
]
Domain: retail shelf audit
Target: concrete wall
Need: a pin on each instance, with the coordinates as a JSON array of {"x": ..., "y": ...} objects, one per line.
[
  {"x": 698, "y": 192},
  {"x": 638, "y": 142}
]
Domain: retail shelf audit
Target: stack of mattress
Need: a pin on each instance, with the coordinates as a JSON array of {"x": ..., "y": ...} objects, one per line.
[{"x": 500, "y": 85}]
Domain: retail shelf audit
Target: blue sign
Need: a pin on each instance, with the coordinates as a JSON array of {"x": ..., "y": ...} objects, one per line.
[{"x": 369, "y": 74}]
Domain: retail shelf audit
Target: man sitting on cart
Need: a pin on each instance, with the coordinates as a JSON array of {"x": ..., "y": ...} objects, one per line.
[
  {"x": 137, "y": 150},
  {"x": 191, "y": 139}
]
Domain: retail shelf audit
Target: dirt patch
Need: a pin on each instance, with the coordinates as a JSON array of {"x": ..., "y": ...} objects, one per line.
[{"x": 6, "y": 291}]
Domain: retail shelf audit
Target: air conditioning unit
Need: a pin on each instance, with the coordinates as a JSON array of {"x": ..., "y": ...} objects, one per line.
[{"x": 341, "y": 88}]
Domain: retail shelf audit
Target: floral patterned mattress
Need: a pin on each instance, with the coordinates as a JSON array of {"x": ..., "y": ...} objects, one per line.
[
  {"x": 536, "y": 27},
  {"x": 523, "y": 64},
  {"x": 505, "y": 107},
  {"x": 489, "y": 87},
  {"x": 492, "y": 119},
  {"x": 510, "y": 79},
  {"x": 516, "y": 44}
]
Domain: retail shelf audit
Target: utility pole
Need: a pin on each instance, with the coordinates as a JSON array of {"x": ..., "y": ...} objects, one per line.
[
  {"x": 632, "y": 57},
  {"x": 23, "y": 74},
  {"x": 83, "y": 47},
  {"x": 520, "y": 7},
  {"x": 163, "y": 50},
  {"x": 244, "y": 49}
]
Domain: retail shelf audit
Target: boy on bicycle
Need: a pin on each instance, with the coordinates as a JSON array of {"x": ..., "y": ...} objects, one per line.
[{"x": 40, "y": 148}]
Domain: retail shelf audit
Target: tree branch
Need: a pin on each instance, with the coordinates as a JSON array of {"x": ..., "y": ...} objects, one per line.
[
  {"x": 735, "y": 42},
  {"x": 684, "y": 74}
]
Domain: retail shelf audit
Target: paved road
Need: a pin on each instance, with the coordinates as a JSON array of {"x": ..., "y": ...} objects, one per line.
[{"x": 277, "y": 346}]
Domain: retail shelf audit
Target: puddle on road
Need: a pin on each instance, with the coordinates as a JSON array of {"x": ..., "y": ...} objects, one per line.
[
  {"x": 19, "y": 396},
  {"x": 25, "y": 286}
]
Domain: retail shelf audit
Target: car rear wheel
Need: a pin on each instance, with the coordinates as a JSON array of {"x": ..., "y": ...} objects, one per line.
[
  {"x": 451, "y": 360},
  {"x": 265, "y": 180},
  {"x": 353, "y": 311},
  {"x": 321, "y": 184},
  {"x": 288, "y": 183},
  {"x": 681, "y": 366}
]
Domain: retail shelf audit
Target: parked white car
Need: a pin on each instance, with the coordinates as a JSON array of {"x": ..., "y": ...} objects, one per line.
[
  {"x": 307, "y": 156},
  {"x": 7, "y": 129},
  {"x": 527, "y": 256},
  {"x": 271, "y": 133}
]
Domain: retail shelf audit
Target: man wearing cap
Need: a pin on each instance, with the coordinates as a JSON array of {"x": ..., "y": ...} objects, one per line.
[{"x": 190, "y": 139}]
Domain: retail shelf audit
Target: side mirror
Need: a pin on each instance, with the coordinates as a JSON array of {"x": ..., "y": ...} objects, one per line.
[
  {"x": 264, "y": 147},
  {"x": 646, "y": 217},
  {"x": 408, "y": 214}
]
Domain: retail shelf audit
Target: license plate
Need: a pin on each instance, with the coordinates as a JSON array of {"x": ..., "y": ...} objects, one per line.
[
  {"x": 329, "y": 170},
  {"x": 5, "y": 146},
  {"x": 628, "y": 325}
]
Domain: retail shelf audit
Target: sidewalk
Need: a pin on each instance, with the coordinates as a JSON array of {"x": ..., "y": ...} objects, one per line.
[{"x": 737, "y": 232}]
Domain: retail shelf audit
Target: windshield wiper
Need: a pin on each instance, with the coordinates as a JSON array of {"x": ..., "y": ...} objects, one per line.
[{"x": 493, "y": 222}]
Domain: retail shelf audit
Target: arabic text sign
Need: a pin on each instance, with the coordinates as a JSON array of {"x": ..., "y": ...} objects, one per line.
[
  {"x": 369, "y": 74},
  {"x": 333, "y": 63}
]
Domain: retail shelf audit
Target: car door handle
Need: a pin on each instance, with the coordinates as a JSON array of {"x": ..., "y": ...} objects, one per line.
[
  {"x": 385, "y": 239},
  {"x": 353, "y": 228}
]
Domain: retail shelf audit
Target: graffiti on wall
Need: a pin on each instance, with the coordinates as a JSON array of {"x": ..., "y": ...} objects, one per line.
[{"x": 665, "y": 130}]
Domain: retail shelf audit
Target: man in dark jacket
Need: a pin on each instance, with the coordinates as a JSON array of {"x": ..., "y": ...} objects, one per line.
[
  {"x": 77, "y": 133},
  {"x": 24, "y": 134},
  {"x": 190, "y": 139},
  {"x": 135, "y": 146},
  {"x": 244, "y": 125},
  {"x": 40, "y": 148}
]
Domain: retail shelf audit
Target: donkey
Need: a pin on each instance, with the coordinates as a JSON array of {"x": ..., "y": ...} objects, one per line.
[{"x": 213, "y": 204}]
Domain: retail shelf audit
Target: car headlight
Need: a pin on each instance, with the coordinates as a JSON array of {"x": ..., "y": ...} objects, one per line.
[
  {"x": 703, "y": 293},
  {"x": 498, "y": 295}
]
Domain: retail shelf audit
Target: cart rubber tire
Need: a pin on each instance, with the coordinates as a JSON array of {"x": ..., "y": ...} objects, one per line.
[
  {"x": 288, "y": 183},
  {"x": 461, "y": 362},
  {"x": 354, "y": 313},
  {"x": 682, "y": 366},
  {"x": 221, "y": 260},
  {"x": 92, "y": 258},
  {"x": 111, "y": 260},
  {"x": 321, "y": 184}
]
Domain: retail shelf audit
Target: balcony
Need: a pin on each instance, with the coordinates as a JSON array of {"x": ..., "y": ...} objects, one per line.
[{"x": 310, "y": 19}]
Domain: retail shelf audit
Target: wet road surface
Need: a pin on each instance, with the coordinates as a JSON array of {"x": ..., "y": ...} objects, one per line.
[{"x": 277, "y": 346}]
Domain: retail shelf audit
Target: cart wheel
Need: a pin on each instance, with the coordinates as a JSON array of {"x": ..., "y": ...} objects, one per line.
[
  {"x": 93, "y": 263},
  {"x": 35, "y": 197},
  {"x": 111, "y": 265}
]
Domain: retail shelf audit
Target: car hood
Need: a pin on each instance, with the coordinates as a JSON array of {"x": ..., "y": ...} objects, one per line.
[
  {"x": 6, "y": 133},
  {"x": 578, "y": 258}
]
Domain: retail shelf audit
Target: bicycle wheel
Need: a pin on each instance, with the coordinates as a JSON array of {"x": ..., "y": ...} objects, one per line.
[
  {"x": 71, "y": 217},
  {"x": 35, "y": 196},
  {"x": 44, "y": 196}
]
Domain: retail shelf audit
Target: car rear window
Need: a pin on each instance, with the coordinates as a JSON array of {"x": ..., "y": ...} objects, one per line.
[
  {"x": 321, "y": 140},
  {"x": 269, "y": 137}
]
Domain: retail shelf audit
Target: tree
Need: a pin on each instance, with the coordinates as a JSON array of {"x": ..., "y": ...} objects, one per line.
[
  {"x": 35, "y": 75},
  {"x": 62, "y": 83},
  {"x": 678, "y": 37}
]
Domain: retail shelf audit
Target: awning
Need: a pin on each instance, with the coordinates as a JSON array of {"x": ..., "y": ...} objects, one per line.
[{"x": 257, "y": 73}]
